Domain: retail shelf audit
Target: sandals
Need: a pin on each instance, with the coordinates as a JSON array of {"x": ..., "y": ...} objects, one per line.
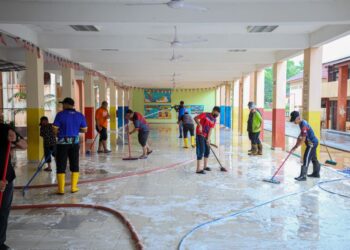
[
  {"x": 200, "y": 172},
  {"x": 48, "y": 169},
  {"x": 143, "y": 157},
  {"x": 149, "y": 152},
  {"x": 207, "y": 169}
]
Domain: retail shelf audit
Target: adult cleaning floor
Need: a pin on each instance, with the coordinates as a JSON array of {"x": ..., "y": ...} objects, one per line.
[{"x": 169, "y": 206}]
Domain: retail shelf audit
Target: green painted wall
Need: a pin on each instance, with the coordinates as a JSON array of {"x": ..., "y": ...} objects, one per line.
[{"x": 198, "y": 97}]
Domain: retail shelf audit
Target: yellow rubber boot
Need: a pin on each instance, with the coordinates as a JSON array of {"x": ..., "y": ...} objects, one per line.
[
  {"x": 61, "y": 181},
  {"x": 74, "y": 184},
  {"x": 185, "y": 142},
  {"x": 193, "y": 141}
]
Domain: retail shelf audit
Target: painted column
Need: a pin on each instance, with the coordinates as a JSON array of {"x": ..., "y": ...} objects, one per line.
[
  {"x": 244, "y": 98},
  {"x": 113, "y": 106},
  {"x": 252, "y": 87},
  {"x": 342, "y": 97},
  {"x": 235, "y": 112},
  {"x": 312, "y": 89},
  {"x": 89, "y": 110},
  {"x": 279, "y": 104},
  {"x": 217, "y": 99},
  {"x": 228, "y": 111},
  {"x": 68, "y": 81},
  {"x": 222, "y": 105},
  {"x": 120, "y": 107},
  {"x": 328, "y": 112},
  {"x": 259, "y": 94},
  {"x": 130, "y": 101},
  {"x": 102, "y": 87},
  {"x": 35, "y": 103}
]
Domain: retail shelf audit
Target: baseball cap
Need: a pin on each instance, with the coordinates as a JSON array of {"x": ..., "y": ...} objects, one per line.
[
  {"x": 250, "y": 104},
  {"x": 68, "y": 101},
  {"x": 294, "y": 115}
]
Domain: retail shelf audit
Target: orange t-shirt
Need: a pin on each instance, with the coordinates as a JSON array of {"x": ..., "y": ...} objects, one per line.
[{"x": 101, "y": 116}]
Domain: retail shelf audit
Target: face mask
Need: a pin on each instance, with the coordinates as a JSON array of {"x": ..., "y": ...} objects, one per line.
[{"x": 215, "y": 115}]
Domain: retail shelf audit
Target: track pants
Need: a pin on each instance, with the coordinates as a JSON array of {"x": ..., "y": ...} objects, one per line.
[
  {"x": 5, "y": 211},
  {"x": 310, "y": 155},
  {"x": 188, "y": 128}
]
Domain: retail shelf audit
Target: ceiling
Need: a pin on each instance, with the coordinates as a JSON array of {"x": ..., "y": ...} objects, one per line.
[{"x": 135, "y": 60}]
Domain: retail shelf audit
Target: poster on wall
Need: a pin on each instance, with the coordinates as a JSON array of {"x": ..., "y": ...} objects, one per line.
[
  {"x": 158, "y": 111},
  {"x": 157, "y": 95},
  {"x": 195, "y": 109}
]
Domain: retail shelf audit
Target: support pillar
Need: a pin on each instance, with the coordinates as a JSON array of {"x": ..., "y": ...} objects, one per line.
[
  {"x": 222, "y": 105},
  {"x": 279, "y": 105},
  {"x": 228, "y": 104},
  {"x": 244, "y": 99},
  {"x": 113, "y": 107},
  {"x": 102, "y": 87},
  {"x": 252, "y": 86},
  {"x": 89, "y": 110},
  {"x": 259, "y": 95},
  {"x": 35, "y": 103},
  {"x": 235, "y": 111},
  {"x": 328, "y": 113},
  {"x": 130, "y": 101},
  {"x": 120, "y": 107},
  {"x": 68, "y": 81},
  {"x": 342, "y": 97},
  {"x": 312, "y": 89}
]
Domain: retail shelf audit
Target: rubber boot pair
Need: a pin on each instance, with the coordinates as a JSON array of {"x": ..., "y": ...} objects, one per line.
[
  {"x": 316, "y": 169},
  {"x": 254, "y": 150},
  {"x": 302, "y": 176},
  {"x": 185, "y": 142},
  {"x": 251, "y": 148},
  {"x": 193, "y": 141},
  {"x": 61, "y": 180},
  {"x": 260, "y": 149}
]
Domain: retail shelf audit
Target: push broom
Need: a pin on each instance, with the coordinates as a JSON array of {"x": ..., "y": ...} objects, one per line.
[
  {"x": 129, "y": 147},
  {"x": 221, "y": 167},
  {"x": 272, "y": 179},
  {"x": 5, "y": 168},
  {"x": 330, "y": 160},
  {"x": 88, "y": 152}
]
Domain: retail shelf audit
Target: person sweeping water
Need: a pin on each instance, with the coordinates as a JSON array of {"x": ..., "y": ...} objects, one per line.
[
  {"x": 308, "y": 137},
  {"x": 205, "y": 123},
  {"x": 142, "y": 127}
]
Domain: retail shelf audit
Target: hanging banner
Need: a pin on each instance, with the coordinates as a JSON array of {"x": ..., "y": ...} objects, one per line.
[
  {"x": 157, "y": 95},
  {"x": 158, "y": 111}
]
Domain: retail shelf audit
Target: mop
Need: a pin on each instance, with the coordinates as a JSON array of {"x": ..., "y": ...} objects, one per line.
[
  {"x": 42, "y": 163},
  {"x": 221, "y": 167},
  {"x": 273, "y": 180},
  {"x": 8, "y": 151},
  {"x": 88, "y": 152},
  {"x": 330, "y": 161},
  {"x": 129, "y": 146}
]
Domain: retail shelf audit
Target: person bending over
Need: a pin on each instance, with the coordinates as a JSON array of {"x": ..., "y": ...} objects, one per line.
[
  {"x": 46, "y": 132},
  {"x": 188, "y": 126},
  {"x": 140, "y": 125},
  {"x": 205, "y": 123},
  {"x": 308, "y": 137}
]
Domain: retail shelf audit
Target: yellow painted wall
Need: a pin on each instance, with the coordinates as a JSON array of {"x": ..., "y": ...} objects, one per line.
[{"x": 197, "y": 97}]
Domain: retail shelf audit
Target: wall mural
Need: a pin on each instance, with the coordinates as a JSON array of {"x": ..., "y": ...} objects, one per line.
[
  {"x": 157, "y": 111},
  {"x": 195, "y": 109},
  {"x": 157, "y": 95}
]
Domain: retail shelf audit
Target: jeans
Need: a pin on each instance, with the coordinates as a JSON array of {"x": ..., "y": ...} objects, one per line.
[
  {"x": 255, "y": 138},
  {"x": 181, "y": 129},
  {"x": 202, "y": 147}
]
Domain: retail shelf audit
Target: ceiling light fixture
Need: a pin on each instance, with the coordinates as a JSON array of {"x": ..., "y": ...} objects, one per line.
[
  {"x": 261, "y": 29},
  {"x": 88, "y": 28}
]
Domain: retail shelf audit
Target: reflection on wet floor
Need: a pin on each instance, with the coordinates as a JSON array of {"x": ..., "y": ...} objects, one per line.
[{"x": 164, "y": 206}]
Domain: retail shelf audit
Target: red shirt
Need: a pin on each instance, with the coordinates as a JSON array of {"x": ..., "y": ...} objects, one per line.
[{"x": 207, "y": 120}]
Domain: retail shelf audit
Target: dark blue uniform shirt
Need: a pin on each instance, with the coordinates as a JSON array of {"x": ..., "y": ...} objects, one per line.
[
  {"x": 307, "y": 131},
  {"x": 69, "y": 122}
]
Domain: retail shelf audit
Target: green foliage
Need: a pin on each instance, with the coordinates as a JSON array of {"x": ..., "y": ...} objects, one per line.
[
  {"x": 292, "y": 70},
  {"x": 49, "y": 100}
]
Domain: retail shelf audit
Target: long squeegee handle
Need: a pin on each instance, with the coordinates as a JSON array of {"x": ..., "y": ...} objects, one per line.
[
  {"x": 290, "y": 153},
  {"x": 8, "y": 151}
]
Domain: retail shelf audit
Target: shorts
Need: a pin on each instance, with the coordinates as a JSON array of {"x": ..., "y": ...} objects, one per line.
[
  {"x": 202, "y": 148},
  {"x": 103, "y": 133},
  {"x": 143, "y": 137},
  {"x": 67, "y": 152}
]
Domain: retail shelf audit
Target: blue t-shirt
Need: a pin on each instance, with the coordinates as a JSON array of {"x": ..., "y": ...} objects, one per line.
[
  {"x": 69, "y": 122},
  {"x": 306, "y": 131},
  {"x": 181, "y": 112}
]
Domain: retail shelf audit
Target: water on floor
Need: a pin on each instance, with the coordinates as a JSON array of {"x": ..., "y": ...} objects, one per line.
[{"x": 171, "y": 207}]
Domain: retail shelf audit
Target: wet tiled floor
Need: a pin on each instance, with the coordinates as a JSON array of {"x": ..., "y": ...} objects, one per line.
[{"x": 166, "y": 200}]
